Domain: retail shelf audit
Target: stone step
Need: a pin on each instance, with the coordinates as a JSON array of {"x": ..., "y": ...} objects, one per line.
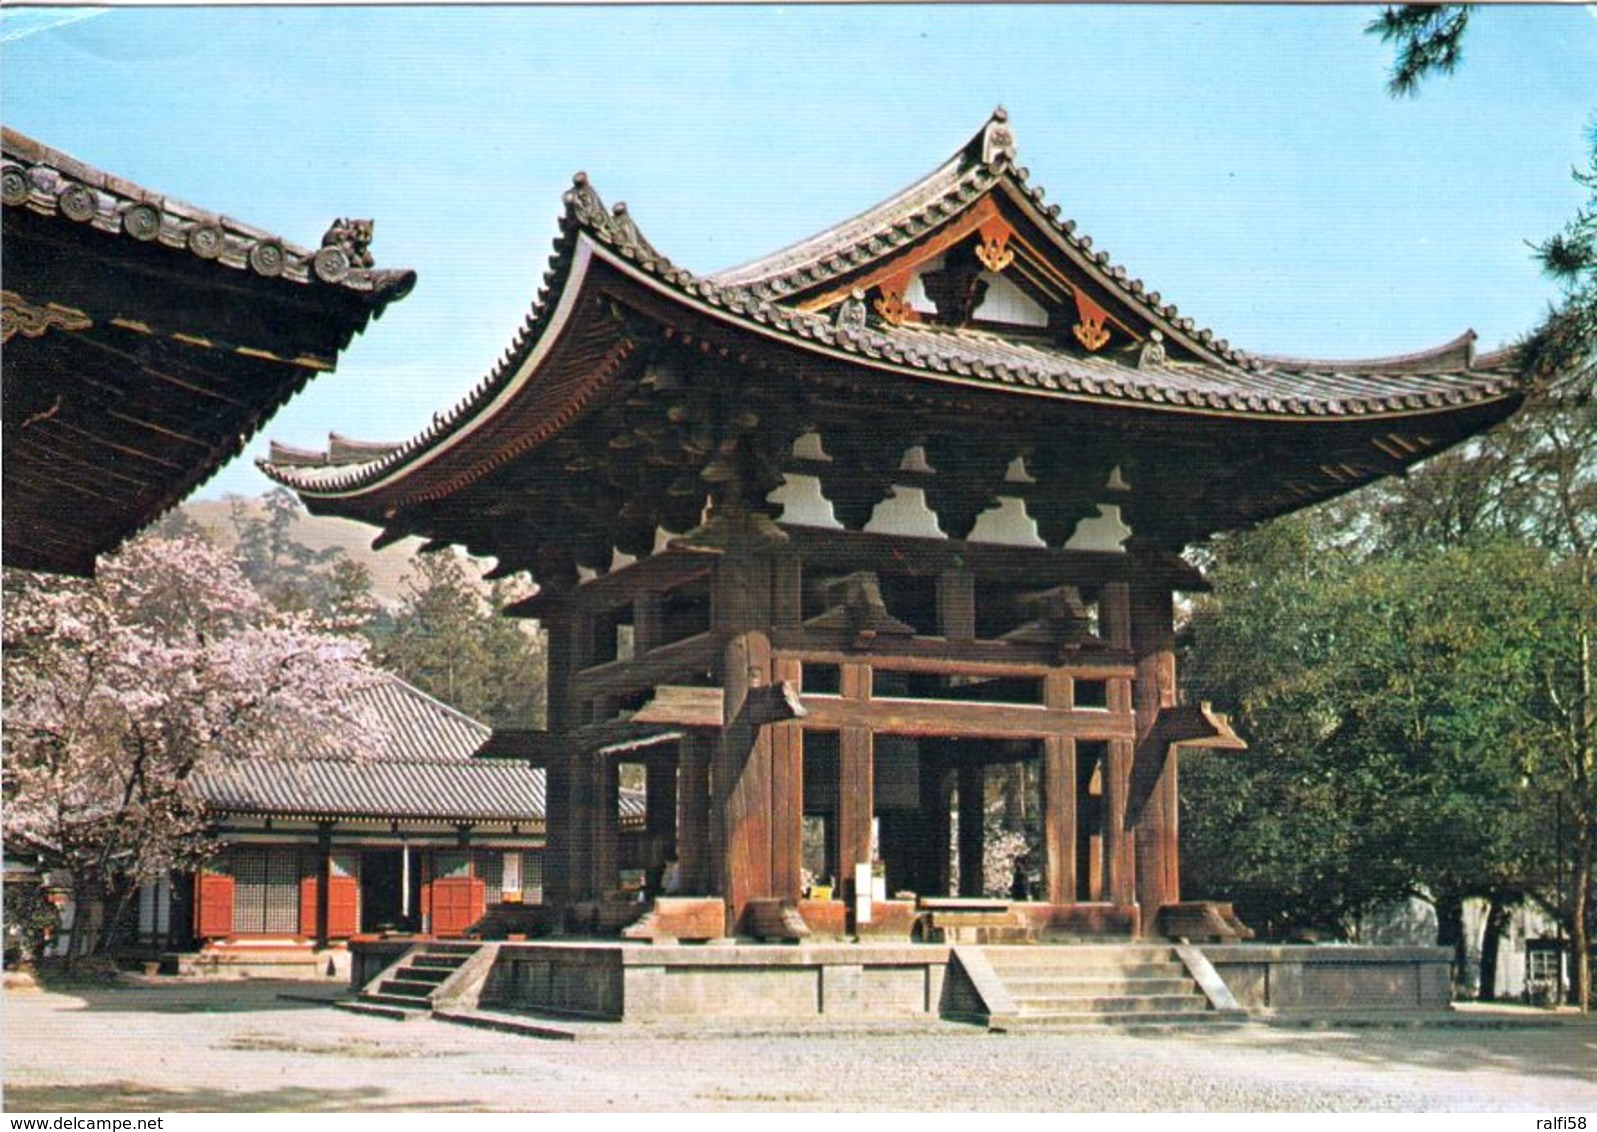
[
  {"x": 383, "y": 998},
  {"x": 1018, "y": 970},
  {"x": 1081, "y": 956},
  {"x": 406, "y": 988},
  {"x": 1064, "y": 1020},
  {"x": 449, "y": 962},
  {"x": 433, "y": 975},
  {"x": 1110, "y": 1004},
  {"x": 380, "y": 1010},
  {"x": 1097, "y": 985}
]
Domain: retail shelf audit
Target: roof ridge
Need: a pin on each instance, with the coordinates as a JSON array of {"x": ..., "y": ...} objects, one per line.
[
  {"x": 406, "y": 686},
  {"x": 1461, "y": 344},
  {"x": 991, "y": 148}
]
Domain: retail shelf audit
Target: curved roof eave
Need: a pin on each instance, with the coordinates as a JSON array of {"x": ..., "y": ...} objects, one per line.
[{"x": 1388, "y": 387}]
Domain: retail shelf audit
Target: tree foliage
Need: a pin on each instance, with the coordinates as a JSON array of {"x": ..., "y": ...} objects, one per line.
[
  {"x": 1397, "y": 707},
  {"x": 447, "y": 638},
  {"x": 291, "y": 575},
  {"x": 120, "y": 687},
  {"x": 1429, "y": 38},
  {"x": 1551, "y": 449}
]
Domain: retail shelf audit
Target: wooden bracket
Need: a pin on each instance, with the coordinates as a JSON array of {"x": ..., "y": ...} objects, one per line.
[{"x": 1180, "y": 725}]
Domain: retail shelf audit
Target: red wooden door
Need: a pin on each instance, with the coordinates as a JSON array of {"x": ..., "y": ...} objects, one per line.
[
  {"x": 343, "y": 907},
  {"x": 213, "y": 905},
  {"x": 457, "y": 903}
]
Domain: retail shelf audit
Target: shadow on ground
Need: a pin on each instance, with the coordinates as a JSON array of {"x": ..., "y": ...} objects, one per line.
[
  {"x": 126, "y": 1096},
  {"x": 213, "y": 997},
  {"x": 1566, "y": 1048}
]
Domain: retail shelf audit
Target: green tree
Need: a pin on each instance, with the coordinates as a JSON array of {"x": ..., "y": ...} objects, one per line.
[
  {"x": 447, "y": 639},
  {"x": 1559, "y": 364},
  {"x": 291, "y": 575},
  {"x": 1394, "y": 704}
]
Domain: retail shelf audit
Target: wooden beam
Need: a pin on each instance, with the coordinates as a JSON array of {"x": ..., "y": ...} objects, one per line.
[
  {"x": 955, "y": 719},
  {"x": 962, "y": 658}
]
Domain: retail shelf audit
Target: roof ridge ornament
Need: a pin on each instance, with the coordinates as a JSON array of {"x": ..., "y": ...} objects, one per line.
[
  {"x": 998, "y": 140},
  {"x": 626, "y": 231},
  {"x": 1151, "y": 355},
  {"x": 583, "y": 202}
]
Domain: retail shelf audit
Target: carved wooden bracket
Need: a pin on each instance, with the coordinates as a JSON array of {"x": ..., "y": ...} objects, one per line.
[
  {"x": 994, "y": 251},
  {"x": 856, "y": 606},
  {"x": 18, "y": 316},
  {"x": 1090, "y": 330},
  {"x": 1062, "y": 619},
  {"x": 892, "y": 305}
]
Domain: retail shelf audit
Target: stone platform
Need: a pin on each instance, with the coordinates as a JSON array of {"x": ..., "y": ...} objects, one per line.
[{"x": 856, "y": 982}]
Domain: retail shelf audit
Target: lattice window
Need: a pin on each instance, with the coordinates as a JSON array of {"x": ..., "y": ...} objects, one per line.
[
  {"x": 266, "y": 890},
  {"x": 532, "y": 877},
  {"x": 491, "y": 871}
]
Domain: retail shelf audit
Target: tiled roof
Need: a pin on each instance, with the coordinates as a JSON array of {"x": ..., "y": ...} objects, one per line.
[
  {"x": 441, "y": 790},
  {"x": 419, "y": 766},
  {"x": 52, "y": 183},
  {"x": 985, "y": 162}
]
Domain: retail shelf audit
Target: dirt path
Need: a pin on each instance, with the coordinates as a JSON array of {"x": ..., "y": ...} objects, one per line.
[{"x": 239, "y": 1046}]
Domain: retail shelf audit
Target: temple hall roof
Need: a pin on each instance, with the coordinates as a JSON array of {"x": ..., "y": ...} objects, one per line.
[
  {"x": 417, "y": 765},
  {"x": 146, "y": 340}
]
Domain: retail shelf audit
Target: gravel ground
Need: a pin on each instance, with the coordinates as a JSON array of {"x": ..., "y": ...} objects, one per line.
[{"x": 238, "y": 1046}]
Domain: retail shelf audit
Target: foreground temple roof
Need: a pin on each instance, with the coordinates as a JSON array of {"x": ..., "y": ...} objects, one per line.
[
  {"x": 962, "y": 316},
  {"x": 146, "y": 341}
]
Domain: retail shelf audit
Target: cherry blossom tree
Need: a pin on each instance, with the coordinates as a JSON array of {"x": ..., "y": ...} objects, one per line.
[{"x": 118, "y": 688}]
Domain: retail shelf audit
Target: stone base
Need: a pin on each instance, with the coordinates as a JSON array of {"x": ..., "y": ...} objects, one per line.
[
  {"x": 891, "y": 921},
  {"x": 1079, "y": 921},
  {"x": 1267, "y": 977},
  {"x": 827, "y": 919},
  {"x": 1201, "y": 921},
  {"x": 636, "y": 982},
  {"x": 669, "y": 918}
]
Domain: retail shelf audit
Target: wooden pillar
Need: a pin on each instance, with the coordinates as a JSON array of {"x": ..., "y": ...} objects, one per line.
[
  {"x": 563, "y": 826},
  {"x": 1059, "y": 818},
  {"x": 1118, "y": 884},
  {"x": 324, "y": 879},
  {"x": 787, "y": 796},
  {"x": 936, "y": 783},
  {"x": 660, "y": 794},
  {"x": 972, "y": 831},
  {"x": 1157, "y": 831},
  {"x": 1119, "y": 861},
  {"x": 1059, "y": 798},
  {"x": 956, "y": 605},
  {"x": 856, "y": 783},
  {"x": 605, "y": 771},
  {"x": 693, "y": 813},
  {"x": 741, "y": 776},
  {"x": 645, "y": 624}
]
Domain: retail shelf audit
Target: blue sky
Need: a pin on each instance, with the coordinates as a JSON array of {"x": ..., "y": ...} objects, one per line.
[{"x": 1244, "y": 160}]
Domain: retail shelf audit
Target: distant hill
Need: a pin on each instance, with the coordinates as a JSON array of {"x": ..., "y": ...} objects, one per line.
[{"x": 388, "y": 566}]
